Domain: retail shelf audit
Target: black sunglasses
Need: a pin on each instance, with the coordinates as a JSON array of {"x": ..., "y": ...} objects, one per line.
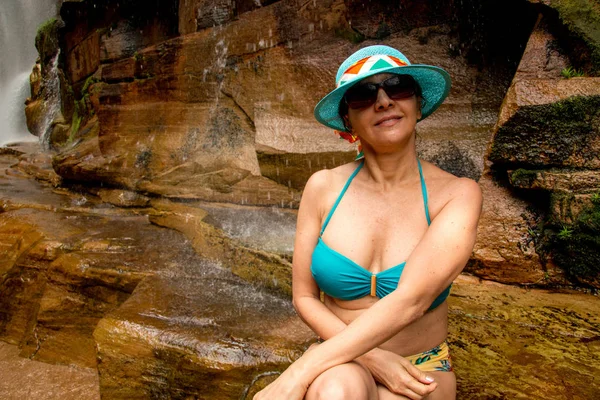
[{"x": 365, "y": 94}]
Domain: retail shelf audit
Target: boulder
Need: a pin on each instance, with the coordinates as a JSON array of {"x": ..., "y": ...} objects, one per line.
[
  {"x": 201, "y": 333},
  {"x": 505, "y": 247},
  {"x": 544, "y": 160},
  {"x": 565, "y": 133}
]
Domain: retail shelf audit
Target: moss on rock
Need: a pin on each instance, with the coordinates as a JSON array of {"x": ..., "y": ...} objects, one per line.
[
  {"x": 46, "y": 40},
  {"x": 576, "y": 247},
  {"x": 523, "y": 178},
  {"x": 557, "y": 134},
  {"x": 582, "y": 18}
]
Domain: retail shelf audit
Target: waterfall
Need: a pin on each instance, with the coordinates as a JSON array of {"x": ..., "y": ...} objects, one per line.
[{"x": 19, "y": 20}]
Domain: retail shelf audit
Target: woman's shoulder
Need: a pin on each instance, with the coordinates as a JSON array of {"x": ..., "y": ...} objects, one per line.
[
  {"x": 446, "y": 187},
  {"x": 323, "y": 187},
  {"x": 329, "y": 180}
]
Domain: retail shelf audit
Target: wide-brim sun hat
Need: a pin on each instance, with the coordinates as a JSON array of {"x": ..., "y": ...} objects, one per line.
[{"x": 372, "y": 60}]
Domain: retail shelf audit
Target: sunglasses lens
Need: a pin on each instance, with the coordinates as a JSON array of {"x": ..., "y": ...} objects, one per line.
[
  {"x": 361, "y": 96},
  {"x": 364, "y": 95},
  {"x": 399, "y": 87}
]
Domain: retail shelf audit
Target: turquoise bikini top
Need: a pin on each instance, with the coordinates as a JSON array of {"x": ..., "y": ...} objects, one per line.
[{"x": 341, "y": 278}]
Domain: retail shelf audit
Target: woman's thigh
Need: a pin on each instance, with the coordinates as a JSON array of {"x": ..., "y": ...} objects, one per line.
[
  {"x": 446, "y": 389},
  {"x": 348, "y": 381}
]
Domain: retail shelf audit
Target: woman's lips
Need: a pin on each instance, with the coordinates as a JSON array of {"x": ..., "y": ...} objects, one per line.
[{"x": 389, "y": 121}]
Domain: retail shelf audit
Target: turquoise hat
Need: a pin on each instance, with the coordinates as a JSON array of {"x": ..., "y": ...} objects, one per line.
[{"x": 372, "y": 60}]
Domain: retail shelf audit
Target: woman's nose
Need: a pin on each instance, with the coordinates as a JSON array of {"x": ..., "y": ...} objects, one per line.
[{"x": 383, "y": 102}]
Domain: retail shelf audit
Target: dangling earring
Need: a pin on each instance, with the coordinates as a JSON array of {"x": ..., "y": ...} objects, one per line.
[{"x": 349, "y": 136}]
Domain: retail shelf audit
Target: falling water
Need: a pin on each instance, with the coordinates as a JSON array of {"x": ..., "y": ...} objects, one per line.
[{"x": 19, "y": 20}]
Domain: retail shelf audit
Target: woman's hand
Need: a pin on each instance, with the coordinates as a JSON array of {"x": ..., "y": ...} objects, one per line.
[
  {"x": 288, "y": 386},
  {"x": 398, "y": 374}
]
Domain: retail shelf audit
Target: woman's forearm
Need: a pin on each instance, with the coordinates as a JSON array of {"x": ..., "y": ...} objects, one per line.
[
  {"x": 318, "y": 317},
  {"x": 323, "y": 321},
  {"x": 369, "y": 330}
]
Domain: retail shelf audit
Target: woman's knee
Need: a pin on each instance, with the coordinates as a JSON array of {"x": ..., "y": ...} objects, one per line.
[{"x": 348, "y": 382}]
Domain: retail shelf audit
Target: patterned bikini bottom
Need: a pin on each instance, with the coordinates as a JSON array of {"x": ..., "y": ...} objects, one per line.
[{"x": 436, "y": 359}]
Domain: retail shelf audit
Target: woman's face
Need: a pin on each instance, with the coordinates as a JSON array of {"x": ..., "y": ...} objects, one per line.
[{"x": 387, "y": 123}]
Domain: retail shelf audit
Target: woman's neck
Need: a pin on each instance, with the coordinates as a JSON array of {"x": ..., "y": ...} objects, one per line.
[{"x": 390, "y": 170}]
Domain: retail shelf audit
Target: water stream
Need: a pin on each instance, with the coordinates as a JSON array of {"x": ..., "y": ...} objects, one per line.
[{"x": 17, "y": 46}]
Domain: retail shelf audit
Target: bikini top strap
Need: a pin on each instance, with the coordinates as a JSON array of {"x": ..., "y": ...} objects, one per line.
[
  {"x": 424, "y": 190},
  {"x": 337, "y": 201}
]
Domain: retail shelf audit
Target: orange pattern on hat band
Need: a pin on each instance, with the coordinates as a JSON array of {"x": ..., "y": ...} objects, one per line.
[{"x": 355, "y": 68}]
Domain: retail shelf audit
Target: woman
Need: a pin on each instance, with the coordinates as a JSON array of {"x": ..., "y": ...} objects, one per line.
[{"x": 357, "y": 221}]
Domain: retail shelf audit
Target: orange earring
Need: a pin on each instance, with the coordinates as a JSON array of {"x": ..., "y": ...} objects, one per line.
[{"x": 349, "y": 136}]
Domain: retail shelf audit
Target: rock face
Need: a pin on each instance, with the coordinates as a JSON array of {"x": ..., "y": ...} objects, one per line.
[
  {"x": 542, "y": 174},
  {"x": 213, "y": 100},
  {"x": 70, "y": 264}
]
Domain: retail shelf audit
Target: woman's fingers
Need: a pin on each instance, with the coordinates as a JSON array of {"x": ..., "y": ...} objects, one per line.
[
  {"x": 421, "y": 376},
  {"x": 412, "y": 388}
]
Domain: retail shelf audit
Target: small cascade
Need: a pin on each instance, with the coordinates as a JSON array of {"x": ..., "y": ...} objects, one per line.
[{"x": 19, "y": 20}]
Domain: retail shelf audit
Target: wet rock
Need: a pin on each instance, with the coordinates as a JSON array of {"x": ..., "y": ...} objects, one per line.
[
  {"x": 270, "y": 229},
  {"x": 47, "y": 41},
  {"x": 566, "y": 207},
  {"x": 25, "y": 378},
  {"x": 118, "y": 41},
  {"x": 191, "y": 328},
  {"x": 396, "y": 17},
  {"x": 581, "y": 18},
  {"x": 198, "y": 335},
  {"x": 268, "y": 270},
  {"x": 509, "y": 342},
  {"x": 293, "y": 170},
  {"x": 39, "y": 165},
  {"x": 123, "y": 198},
  {"x": 207, "y": 102},
  {"x": 59, "y": 288},
  {"x": 70, "y": 261},
  {"x": 544, "y": 57}
]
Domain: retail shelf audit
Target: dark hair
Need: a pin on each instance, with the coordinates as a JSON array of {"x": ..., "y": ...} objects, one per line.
[{"x": 343, "y": 108}]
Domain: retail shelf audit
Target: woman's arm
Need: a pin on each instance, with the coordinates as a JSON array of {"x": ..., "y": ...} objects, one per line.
[
  {"x": 305, "y": 292},
  {"x": 436, "y": 261}
]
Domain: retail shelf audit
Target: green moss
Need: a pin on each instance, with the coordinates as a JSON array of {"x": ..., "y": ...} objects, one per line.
[
  {"x": 576, "y": 247},
  {"x": 86, "y": 85},
  {"x": 523, "y": 178},
  {"x": 565, "y": 233},
  {"x": 75, "y": 125},
  {"x": 46, "y": 39},
  {"x": 550, "y": 134},
  {"x": 582, "y": 18},
  {"x": 47, "y": 27}
]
